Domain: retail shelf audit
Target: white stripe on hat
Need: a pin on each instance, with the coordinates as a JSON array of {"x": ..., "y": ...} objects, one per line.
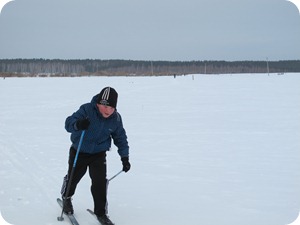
[{"x": 106, "y": 93}]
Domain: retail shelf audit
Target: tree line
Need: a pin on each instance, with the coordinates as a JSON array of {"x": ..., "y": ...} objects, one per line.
[{"x": 113, "y": 67}]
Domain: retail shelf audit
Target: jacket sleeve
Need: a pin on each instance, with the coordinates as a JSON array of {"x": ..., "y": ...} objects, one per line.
[
  {"x": 70, "y": 123},
  {"x": 120, "y": 139}
]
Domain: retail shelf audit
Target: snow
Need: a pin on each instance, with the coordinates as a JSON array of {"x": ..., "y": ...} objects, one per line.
[{"x": 204, "y": 149}]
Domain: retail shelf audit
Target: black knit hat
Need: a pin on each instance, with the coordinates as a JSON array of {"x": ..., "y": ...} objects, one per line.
[{"x": 108, "y": 96}]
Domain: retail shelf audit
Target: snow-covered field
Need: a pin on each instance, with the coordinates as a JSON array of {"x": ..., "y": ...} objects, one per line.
[{"x": 213, "y": 150}]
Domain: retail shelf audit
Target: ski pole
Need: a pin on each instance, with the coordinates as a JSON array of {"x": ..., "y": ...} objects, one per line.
[
  {"x": 115, "y": 176},
  {"x": 61, "y": 218}
]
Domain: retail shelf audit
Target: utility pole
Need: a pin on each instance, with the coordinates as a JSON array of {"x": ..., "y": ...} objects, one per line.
[{"x": 268, "y": 67}]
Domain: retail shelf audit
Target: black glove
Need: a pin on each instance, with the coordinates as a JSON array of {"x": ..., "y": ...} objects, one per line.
[
  {"x": 82, "y": 124},
  {"x": 126, "y": 164}
]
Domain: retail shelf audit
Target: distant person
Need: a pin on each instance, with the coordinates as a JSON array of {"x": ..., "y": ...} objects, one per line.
[{"x": 102, "y": 124}]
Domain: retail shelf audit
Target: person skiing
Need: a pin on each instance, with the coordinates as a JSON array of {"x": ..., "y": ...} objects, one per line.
[{"x": 102, "y": 124}]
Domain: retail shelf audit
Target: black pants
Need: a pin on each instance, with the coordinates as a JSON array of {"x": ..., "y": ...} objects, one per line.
[{"x": 97, "y": 171}]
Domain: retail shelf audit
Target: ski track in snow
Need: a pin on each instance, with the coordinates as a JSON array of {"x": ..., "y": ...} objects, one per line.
[{"x": 205, "y": 149}]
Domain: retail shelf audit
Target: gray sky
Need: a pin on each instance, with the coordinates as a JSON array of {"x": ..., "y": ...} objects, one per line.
[{"x": 150, "y": 30}]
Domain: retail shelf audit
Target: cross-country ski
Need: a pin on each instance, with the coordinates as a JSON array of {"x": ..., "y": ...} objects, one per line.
[
  {"x": 70, "y": 216},
  {"x": 103, "y": 220}
]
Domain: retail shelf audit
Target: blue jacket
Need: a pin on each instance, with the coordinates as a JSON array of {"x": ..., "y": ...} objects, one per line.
[{"x": 100, "y": 132}]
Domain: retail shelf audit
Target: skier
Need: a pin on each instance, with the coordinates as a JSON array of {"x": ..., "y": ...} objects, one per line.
[{"x": 102, "y": 124}]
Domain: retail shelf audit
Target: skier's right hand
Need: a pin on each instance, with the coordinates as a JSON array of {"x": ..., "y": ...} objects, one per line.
[{"x": 82, "y": 124}]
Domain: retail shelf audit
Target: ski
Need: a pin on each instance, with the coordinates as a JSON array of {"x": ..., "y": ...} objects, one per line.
[
  {"x": 91, "y": 212},
  {"x": 70, "y": 216}
]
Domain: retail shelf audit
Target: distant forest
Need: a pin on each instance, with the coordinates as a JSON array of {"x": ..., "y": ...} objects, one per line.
[{"x": 91, "y": 67}]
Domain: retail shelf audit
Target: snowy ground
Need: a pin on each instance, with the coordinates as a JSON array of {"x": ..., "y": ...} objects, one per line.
[{"x": 213, "y": 150}]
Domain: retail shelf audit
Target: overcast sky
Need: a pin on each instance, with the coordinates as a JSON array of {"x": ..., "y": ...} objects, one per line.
[{"x": 150, "y": 30}]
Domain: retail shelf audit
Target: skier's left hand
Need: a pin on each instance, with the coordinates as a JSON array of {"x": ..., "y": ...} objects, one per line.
[{"x": 126, "y": 164}]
